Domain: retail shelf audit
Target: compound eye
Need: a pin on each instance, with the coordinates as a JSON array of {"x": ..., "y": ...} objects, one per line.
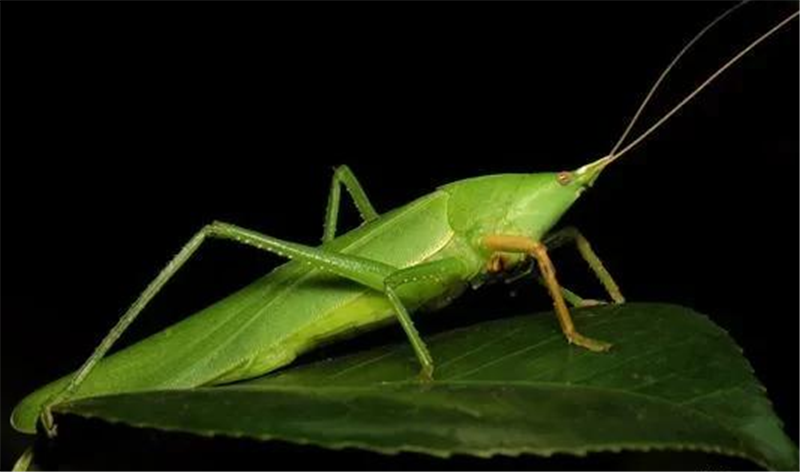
[{"x": 564, "y": 178}]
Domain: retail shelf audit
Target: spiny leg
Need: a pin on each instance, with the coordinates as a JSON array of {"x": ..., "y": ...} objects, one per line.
[
  {"x": 572, "y": 235},
  {"x": 369, "y": 273},
  {"x": 222, "y": 231},
  {"x": 537, "y": 250},
  {"x": 125, "y": 320},
  {"x": 366, "y": 272},
  {"x": 343, "y": 175}
]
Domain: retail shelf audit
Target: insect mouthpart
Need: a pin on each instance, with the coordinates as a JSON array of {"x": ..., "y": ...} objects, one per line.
[{"x": 589, "y": 173}]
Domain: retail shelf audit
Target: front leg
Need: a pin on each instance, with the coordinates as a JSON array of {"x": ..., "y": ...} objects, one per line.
[
  {"x": 572, "y": 235},
  {"x": 537, "y": 250}
]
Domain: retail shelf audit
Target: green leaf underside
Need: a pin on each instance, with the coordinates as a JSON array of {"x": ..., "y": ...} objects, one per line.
[{"x": 673, "y": 380}]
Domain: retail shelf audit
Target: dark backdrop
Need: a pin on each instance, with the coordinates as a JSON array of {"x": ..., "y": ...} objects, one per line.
[{"x": 126, "y": 127}]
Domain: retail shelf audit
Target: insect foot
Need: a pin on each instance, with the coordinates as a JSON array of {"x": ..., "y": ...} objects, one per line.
[
  {"x": 425, "y": 375},
  {"x": 588, "y": 343}
]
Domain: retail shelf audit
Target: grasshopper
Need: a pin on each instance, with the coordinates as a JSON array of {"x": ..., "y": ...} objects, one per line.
[{"x": 419, "y": 256}]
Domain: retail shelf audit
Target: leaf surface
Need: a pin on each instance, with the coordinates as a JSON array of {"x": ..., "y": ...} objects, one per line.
[{"x": 673, "y": 381}]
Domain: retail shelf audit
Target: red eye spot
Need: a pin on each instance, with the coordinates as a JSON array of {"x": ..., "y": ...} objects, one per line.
[{"x": 564, "y": 177}]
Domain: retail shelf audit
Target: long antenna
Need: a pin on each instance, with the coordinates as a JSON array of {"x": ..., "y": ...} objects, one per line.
[
  {"x": 667, "y": 71},
  {"x": 613, "y": 157}
]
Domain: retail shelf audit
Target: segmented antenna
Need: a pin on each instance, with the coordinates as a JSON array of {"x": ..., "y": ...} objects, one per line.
[{"x": 614, "y": 156}]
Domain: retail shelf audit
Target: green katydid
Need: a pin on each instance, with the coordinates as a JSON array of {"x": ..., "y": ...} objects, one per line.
[{"x": 420, "y": 255}]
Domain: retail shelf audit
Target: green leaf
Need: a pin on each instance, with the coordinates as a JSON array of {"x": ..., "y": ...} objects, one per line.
[{"x": 673, "y": 381}]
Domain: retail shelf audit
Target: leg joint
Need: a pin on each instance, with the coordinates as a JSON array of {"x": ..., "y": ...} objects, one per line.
[
  {"x": 341, "y": 170},
  {"x": 215, "y": 228}
]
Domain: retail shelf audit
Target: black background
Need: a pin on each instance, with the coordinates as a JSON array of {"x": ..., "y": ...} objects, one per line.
[{"x": 126, "y": 127}]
